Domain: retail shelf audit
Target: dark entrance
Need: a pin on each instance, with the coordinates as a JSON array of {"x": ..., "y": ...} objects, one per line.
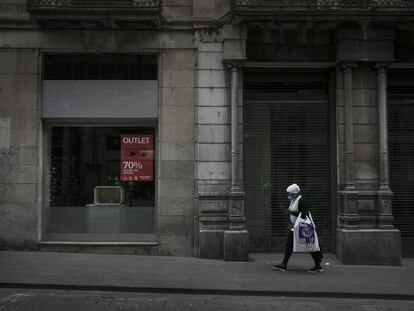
[
  {"x": 401, "y": 154},
  {"x": 287, "y": 139}
]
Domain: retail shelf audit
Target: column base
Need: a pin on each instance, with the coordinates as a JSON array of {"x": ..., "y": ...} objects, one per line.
[
  {"x": 211, "y": 244},
  {"x": 369, "y": 247},
  {"x": 236, "y": 245}
]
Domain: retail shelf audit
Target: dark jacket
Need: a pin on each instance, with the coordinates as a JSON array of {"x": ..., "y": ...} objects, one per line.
[{"x": 302, "y": 208}]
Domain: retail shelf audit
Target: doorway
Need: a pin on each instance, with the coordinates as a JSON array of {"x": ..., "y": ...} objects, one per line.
[
  {"x": 288, "y": 124},
  {"x": 401, "y": 153}
]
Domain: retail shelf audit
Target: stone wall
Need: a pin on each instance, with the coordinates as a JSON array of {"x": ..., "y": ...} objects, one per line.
[
  {"x": 12, "y": 11},
  {"x": 213, "y": 143},
  {"x": 177, "y": 154},
  {"x": 365, "y": 126},
  {"x": 364, "y": 212},
  {"x": 290, "y": 42},
  {"x": 20, "y": 185},
  {"x": 213, "y": 118},
  {"x": 21, "y": 171},
  {"x": 366, "y": 148},
  {"x": 211, "y": 10},
  {"x": 194, "y": 170},
  {"x": 177, "y": 10}
]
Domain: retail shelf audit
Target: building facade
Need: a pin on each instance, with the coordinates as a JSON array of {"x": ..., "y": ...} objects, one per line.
[{"x": 174, "y": 127}]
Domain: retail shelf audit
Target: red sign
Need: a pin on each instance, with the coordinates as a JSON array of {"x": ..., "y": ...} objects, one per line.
[{"x": 137, "y": 158}]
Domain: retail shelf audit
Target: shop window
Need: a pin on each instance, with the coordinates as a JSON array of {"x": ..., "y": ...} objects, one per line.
[
  {"x": 101, "y": 181},
  {"x": 100, "y": 67}
]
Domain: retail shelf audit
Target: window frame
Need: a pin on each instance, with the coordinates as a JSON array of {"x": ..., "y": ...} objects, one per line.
[{"x": 47, "y": 126}]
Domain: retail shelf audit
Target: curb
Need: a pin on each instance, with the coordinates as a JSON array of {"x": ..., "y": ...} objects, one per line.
[{"x": 207, "y": 291}]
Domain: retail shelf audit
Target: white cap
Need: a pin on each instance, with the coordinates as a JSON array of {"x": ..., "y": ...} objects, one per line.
[{"x": 293, "y": 188}]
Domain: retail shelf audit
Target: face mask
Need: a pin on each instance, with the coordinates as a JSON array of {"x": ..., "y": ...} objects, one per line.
[{"x": 291, "y": 197}]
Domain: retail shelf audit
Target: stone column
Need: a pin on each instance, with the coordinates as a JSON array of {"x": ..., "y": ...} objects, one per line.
[
  {"x": 386, "y": 218},
  {"x": 236, "y": 193},
  {"x": 213, "y": 155},
  {"x": 348, "y": 205},
  {"x": 382, "y": 126},
  {"x": 235, "y": 144},
  {"x": 236, "y": 239},
  {"x": 364, "y": 234},
  {"x": 349, "y": 127}
]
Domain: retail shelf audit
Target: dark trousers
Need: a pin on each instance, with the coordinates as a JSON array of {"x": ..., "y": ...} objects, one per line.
[{"x": 317, "y": 256}]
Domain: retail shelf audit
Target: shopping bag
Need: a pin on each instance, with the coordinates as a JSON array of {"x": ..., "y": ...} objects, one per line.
[{"x": 305, "y": 238}]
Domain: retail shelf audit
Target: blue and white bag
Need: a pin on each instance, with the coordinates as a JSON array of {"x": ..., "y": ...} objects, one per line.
[{"x": 305, "y": 238}]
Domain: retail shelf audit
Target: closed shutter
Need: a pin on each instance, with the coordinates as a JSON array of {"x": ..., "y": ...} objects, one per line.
[
  {"x": 286, "y": 140},
  {"x": 401, "y": 155}
]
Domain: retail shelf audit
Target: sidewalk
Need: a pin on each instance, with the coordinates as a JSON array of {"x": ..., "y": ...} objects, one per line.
[{"x": 193, "y": 275}]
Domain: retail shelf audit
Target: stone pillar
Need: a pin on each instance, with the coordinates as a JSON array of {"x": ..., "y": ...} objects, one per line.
[
  {"x": 382, "y": 126},
  {"x": 213, "y": 151},
  {"x": 386, "y": 218},
  {"x": 236, "y": 239},
  {"x": 365, "y": 234},
  {"x": 348, "y": 205},
  {"x": 380, "y": 242},
  {"x": 235, "y": 145},
  {"x": 348, "y": 220},
  {"x": 349, "y": 127}
]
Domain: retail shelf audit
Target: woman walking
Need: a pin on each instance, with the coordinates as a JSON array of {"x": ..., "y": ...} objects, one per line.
[{"x": 297, "y": 205}]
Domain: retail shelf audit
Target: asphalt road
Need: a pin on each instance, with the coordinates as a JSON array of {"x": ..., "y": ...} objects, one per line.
[{"x": 59, "y": 300}]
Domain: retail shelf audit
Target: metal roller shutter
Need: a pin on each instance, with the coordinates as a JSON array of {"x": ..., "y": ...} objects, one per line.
[
  {"x": 401, "y": 155},
  {"x": 286, "y": 140}
]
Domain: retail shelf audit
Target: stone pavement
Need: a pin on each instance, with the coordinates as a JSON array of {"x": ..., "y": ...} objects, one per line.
[
  {"x": 44, "y": 300},
  {"x": 187, "y": 275}
]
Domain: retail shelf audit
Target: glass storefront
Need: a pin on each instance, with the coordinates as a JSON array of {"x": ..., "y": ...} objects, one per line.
[
  {"x": 100, "y": 113},
  {"x": 101, "y": 181}
]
